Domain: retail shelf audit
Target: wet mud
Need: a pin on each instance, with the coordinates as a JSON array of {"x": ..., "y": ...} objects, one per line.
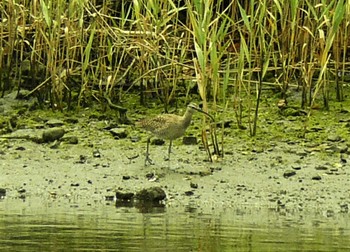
[{"x": 93, "y": 161}]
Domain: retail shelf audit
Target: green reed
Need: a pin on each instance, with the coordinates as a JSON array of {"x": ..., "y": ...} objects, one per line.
[{"x": 87, "y": 50}]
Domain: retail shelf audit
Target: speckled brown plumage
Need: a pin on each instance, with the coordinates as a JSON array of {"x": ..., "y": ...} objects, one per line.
[{"x": 168, "y": 126}]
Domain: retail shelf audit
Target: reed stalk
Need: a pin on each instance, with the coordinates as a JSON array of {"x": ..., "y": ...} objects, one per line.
[{"x": 83, "y": 51}]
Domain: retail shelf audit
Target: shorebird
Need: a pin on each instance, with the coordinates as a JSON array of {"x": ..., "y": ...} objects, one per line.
[{"x": 168, "y": 126}]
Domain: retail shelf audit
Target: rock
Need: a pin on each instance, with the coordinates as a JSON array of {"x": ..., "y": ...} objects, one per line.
[
  {"x": 21, "y": 190},
  {"x": 53, "y": 134},
  {"x": 301, "y": 153},
  {"x": 316, "y": 177},
  {"x": 55, "y": 123},
  {"x": 71, "y": 120},
  {"x": 53, "y": 194},
  {"x": 329, "y": 173},
  {"x": 55, "y": 145},
  {"x": 280, "y": 203},
  {"x": 343, "y": 158},
  {"x": 334, "y": 138},
  {"x": 316, "y": 128},
  {"x": 157, "y": 141},
  {"x": 189, "y": 193},
  {"x": 329, "y": 213},
  {"x": 39, "y": 126},
  {"x": 119, "y": 133},
  {"x": 2, "y": 192},
  {"x": 289, "y": 173},
  {"x": 96, "y": 154},
  {"x": 258, "y": 149},
  {"x": 151, "y": 176},
  {"x": 334, "y": 169},
  {"x": 82, "y": 159},
  {"x": 189, "y": 140},
  {"x": 321, "y": 168},
  {"x": 205, "y": 173},
  {"x": 124, "y": 196},
  {"x": 340, "y": 148},
  {"x": 109, "y": 197},
  {"x": 344, "y": 208},
  {"x": 151, "y": 194},
  {"x": 71, "y": 140},
  {"x": 111, "y": 125},
  {"x": 331, "y": 148},
  {"x": 194, "y": 185},
  {"x": 134, "y": 139}
]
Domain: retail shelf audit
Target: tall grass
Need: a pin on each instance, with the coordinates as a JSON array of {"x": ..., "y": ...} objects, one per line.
[{"x": 83, "y": 51}]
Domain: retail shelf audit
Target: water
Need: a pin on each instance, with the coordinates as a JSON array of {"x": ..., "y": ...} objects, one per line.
[{"x": 63, "y": 225}]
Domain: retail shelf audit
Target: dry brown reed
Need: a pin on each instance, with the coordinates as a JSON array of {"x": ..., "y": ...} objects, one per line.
[{"x": 93, "y": 49}]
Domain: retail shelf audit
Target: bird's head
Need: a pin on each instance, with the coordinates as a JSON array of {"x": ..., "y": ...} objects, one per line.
[{"x": 193, "y": 106}]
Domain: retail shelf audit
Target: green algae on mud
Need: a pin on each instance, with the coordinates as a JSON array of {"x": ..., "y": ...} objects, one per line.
[{"x": 252, "y": 172}]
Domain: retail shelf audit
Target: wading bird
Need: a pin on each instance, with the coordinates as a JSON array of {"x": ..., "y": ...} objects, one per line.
[{"x": 168, "y": 126}]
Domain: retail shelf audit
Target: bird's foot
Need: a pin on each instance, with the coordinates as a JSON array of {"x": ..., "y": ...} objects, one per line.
[{"x": 148, "y": 161}]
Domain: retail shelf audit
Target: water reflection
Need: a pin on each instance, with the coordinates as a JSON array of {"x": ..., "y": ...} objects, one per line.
[{"x": 46, "y": 225}]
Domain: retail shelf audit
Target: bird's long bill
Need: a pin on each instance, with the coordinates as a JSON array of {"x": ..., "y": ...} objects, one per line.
[{"x": 202, "y": 111}]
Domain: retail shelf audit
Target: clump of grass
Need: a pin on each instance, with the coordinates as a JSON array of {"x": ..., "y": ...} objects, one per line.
[{"x": 84, "y": 51}]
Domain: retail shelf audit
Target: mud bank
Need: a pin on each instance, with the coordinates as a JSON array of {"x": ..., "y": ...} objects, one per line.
[{"x": 275, "y": 171}]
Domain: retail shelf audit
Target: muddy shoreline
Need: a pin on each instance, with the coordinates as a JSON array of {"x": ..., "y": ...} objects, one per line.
[{"x": 281, "y": 173}]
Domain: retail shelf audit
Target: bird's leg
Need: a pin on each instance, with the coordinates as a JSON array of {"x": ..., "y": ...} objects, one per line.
[
  {"x": 148, "y": 160},
  {"x": 169, "y": 150}
]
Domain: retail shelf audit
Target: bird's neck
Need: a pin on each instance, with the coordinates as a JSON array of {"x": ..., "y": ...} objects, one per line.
[{"x": 187, "y": 117}]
